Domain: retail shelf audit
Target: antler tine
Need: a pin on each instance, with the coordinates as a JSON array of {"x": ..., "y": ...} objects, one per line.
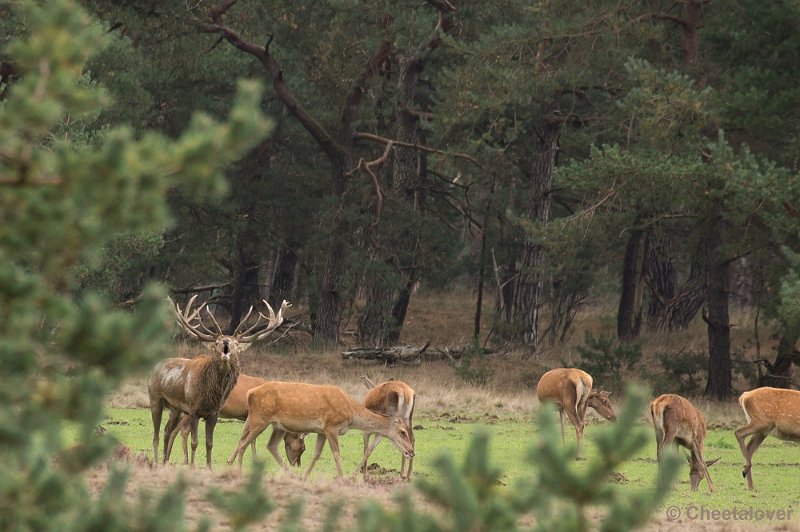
[
  {"x": 243, "y": 322},
  {"x": 214, "y": 320},
  {"x": 274, "y": 321},
  {"x": 185, "y": 318}
]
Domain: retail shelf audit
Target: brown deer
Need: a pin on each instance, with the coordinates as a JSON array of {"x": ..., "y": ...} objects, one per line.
[
  {"x": 571, "y": 389},
  {"x": 677, "y": 420},
  {"x": 198, "y": 387},
  {"x": 235, "y": 407},
  {"x": 324, "y": 410},
  {"x": 769, "y": 412},
  {"x": 390, "y": 398}
]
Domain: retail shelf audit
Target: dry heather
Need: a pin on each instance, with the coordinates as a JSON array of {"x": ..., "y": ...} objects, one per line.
[{"x": 508, "y": 377}]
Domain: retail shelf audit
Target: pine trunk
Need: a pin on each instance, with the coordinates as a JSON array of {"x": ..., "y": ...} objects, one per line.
[
  {"x": 629, "y": 313},
  {"x": 528, "y": 290},
  {"x": 720, "y": 374},
  {"x": 388, "y": 296}
]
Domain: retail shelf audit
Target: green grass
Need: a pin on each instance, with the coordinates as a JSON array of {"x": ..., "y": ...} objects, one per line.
[{"x": 775, "y": 470}]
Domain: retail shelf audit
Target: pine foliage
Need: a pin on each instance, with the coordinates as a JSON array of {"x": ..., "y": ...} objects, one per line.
[{"x": 64, "y": 192}]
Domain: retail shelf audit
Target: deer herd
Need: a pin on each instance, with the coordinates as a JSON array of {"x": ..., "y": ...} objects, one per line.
[{"x": 211, "y": 387}]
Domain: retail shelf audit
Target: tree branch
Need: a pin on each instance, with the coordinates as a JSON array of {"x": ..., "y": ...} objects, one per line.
[
  {"x": 273, "y": 68},
  {"x": 422, "y": 147}
]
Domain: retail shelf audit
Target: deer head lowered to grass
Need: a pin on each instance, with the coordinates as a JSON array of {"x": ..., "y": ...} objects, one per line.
[
  {"x": 677, "y": 420},
  {"x": 198, "y": 387},
  {"x": 390, "y": 398}
]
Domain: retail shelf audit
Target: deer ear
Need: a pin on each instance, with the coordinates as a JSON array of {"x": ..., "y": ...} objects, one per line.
[
  {"x": 394, "y": 398},
  {"x": 709, "y": 463}
]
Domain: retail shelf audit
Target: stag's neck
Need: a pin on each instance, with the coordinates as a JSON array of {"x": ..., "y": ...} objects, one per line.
[
  {"x": 366, "y": 420},
  {"x": 218, "y": 377}
]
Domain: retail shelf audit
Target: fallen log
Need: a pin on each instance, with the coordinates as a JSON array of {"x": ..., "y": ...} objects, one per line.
[{"x": 404, "y": 354}]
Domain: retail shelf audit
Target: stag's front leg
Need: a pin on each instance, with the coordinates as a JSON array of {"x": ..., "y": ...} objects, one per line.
[{"x": 211, "y": 422}]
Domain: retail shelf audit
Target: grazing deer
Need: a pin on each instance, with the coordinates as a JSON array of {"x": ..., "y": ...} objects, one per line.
[
  {"x": 198, "y": 387},
  {"x": 769, "y": 412},
  {"x": 235, "y": 407},
  {"x": 390, "y": 398},
  {"x": 677, "y": 420},
  {"x": 571, "y": 389},
  {"x": 325, "y": 410}
]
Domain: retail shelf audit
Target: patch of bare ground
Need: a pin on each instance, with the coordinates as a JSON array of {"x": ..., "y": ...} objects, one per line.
[
  {"x": 662, "y": 524},
  {"x": 283, "y": 489}
]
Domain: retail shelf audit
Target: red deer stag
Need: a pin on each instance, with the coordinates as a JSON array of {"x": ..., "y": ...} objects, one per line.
[
  {"x": 677, "y": 420},
  {"x": 235, "y": 407},
  {"x": 769, "y": 412},
  {"x": 198, "y": 387},
  {"x": 324, "y": 410},
  {"x": 571, "y": 389},
  {"x": 390, "y": 398}
]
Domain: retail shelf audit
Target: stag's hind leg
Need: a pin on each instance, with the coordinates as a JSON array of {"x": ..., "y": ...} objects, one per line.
[
  {"x": 181, "y": 428},
  {"x": 156, "y": 411},
  {"x": 172, "y": 422}
]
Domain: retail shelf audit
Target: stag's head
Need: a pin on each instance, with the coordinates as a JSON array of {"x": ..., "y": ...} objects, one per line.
[
  {"x": 191, "y": 321},
  {"x": 401, "y": 437},
  {"x": 598, "y": 400}
]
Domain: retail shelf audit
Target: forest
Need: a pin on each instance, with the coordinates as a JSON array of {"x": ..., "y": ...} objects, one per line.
[{"x": 348, "y": 156}]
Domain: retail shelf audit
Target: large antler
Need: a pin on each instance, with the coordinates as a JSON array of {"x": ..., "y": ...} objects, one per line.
[
  {"x": 197, "y": 330},
  {"x": 260, "y": 330}
]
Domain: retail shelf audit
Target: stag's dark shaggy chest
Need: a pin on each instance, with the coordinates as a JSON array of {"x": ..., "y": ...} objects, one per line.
[{"x": 218, "y": 379}]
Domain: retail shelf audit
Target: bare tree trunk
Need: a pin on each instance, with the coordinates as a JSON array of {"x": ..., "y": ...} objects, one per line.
[
  {"x": 629, "y": 314},
  {"x": 779, "y": 373},
  {"x": 244, "y": 291},
  {"x": 325, "y": 323},
  {"x": 720, "y": 375},
  {"x": 662, "y": 277},
  {"x": 284, "y": 276},
  {"x": 529, "y": 283},
  {"x": 388, "y": 297},
  {"x": 336, "y": 143}
]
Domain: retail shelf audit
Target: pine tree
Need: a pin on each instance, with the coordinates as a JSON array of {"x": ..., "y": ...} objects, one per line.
[{"x": 65, "y": 191}]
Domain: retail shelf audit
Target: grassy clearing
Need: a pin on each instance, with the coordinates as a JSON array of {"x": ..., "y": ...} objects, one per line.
[
  {"x": 775, "y": 473},
  {"x": 450, "y": 410}
]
